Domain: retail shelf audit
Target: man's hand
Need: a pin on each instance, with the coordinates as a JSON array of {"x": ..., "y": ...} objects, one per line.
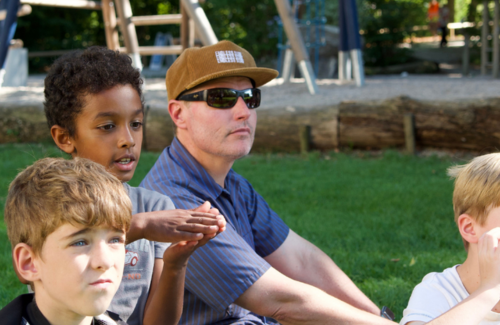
[
  {"x": 489, "y": 259},
  {"x": 176, "y": 225}
]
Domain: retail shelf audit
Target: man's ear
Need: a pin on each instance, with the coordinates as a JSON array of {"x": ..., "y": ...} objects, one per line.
[
  {"x": 62, "y": 139},
  {"x": 468, "y": 228},
  {"x": 24, "y": 261},
  {"x": 177, "y": 112}
]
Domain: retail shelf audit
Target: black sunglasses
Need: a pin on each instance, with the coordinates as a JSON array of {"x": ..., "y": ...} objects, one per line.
[{"x": 224, "y": 97}]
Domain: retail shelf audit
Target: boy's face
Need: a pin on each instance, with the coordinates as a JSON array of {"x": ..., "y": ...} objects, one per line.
[
  {"x": 79, "y": 271},
  {"x": 492, "y": 221},
  {"x": 109, "y": 130}
]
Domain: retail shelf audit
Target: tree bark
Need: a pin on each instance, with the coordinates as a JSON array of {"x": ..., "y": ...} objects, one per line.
[{"x": 468, "y": 125}]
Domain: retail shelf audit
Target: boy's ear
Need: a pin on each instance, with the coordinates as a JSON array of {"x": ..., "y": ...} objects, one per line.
[
  {"x": 24, "y": 263},
  {"x": 468, "y": 228},
  {"x": 62, "y": 139},
  {"x": 178, "y": 113}
]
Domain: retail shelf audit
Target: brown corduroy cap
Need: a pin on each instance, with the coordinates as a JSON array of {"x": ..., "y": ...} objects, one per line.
[{"x": 225, "y": 59}]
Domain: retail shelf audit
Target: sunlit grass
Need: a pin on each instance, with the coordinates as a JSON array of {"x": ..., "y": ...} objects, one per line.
[{"x": 385, "y": 220}]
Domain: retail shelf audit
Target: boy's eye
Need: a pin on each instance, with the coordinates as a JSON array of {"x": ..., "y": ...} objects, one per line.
[
  {"x": 107, "y": 127},
  {"x": 117, "y": 240},
  {"x": 79, "y": 243},
  {"x": 136, "y": 124}
]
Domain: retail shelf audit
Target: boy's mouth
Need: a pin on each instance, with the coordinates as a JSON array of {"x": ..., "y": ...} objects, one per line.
[{"x": 125, "y": 163}]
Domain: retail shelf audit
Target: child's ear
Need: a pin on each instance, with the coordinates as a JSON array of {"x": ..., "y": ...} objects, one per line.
[
  {"x": 468, "y": 228},
  {"x": 177, "y": 112},
  {"x": 24, "y": 263},
  {"x": 62, "y": 139}
]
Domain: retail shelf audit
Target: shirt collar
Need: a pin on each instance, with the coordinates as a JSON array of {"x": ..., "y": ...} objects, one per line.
[{"x": 199, "y": 180}]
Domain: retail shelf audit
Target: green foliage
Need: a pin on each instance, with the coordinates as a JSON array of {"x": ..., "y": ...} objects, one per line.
[
  {"x": 51, "y": 29},
  {"x": 386, "y": 24},
  {"x": 385, "y": 220},
  {"x": 250, "y": 24}
]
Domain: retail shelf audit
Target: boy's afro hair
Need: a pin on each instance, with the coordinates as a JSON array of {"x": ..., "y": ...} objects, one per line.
[{"x": 80, "y": 73}]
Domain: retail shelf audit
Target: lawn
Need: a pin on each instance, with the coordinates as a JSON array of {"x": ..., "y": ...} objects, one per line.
[{"x": 385, "y": 219}]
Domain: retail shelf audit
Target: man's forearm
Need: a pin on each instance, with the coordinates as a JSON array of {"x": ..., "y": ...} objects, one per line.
[
  {"x": 321, "y": 308},
  {"x": 327, "y": 276},
  {"x": 292, "y": 302}
]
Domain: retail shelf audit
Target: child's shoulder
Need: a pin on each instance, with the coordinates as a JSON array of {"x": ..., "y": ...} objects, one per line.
[
  {"x": 12, "y": 313},
  {"x": 144, "y": 200},
  {"x": 447, "y": 282},
  {"x": 436, "y": 294}
]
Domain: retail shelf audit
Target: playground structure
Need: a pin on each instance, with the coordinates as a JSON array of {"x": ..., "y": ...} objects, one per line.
[
  {"x": 118, "y": 14},
  {"x": 489, "y": 30}
]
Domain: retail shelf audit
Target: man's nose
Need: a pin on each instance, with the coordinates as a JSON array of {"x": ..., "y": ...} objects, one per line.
[{"x": 241, "y": 110}]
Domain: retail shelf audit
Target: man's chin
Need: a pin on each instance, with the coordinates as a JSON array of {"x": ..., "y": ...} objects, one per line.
[{"x": 238, "y": 153}]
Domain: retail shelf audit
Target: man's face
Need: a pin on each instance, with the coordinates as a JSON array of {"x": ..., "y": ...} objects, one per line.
[
  {"x": 109, "y": 130},
  {"x": 217, "y": 132},
  {"x": 79, "y": 270}
]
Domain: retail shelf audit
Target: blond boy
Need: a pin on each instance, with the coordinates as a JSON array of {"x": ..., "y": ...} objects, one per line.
[
  {"x": 66, "y": 221},
  {"x": 468, "y": 293}
]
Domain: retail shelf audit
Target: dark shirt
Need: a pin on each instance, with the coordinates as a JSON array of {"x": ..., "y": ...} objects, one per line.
[
  {"x": 24, "y": 311},
  {"x": 34, "y": 316},
  {"x": 219, "y": 272}
]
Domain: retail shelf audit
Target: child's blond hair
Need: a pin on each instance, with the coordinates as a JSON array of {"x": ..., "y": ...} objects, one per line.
[
  {"x": 54, "y": 191},
  {"x": 477, "y": 187}
]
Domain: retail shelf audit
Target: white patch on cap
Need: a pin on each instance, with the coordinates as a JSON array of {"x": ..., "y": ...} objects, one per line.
[{"x": 229, "y": 57}]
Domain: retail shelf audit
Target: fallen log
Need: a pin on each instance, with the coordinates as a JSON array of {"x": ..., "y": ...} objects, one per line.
[{"x": 466, "y": 125}]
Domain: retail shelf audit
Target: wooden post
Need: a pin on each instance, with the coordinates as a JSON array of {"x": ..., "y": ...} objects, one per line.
[
  {"x": 409, "y": 125},
  {"x": 288, "y": 66},
  {"x": 184, "y": 27},
  {"x": 109, "y": 16},
  {"x": 466, "y": 55},
  {"x": 484, "y": 38},
  {"x": 128, "y": 30},
  {"x": 305, "y": 138},
  {"x": 496, "y": 49},
  {"x": 192, "y": 32},
  {"x": 201, "y": 22},
  {"x": 298, "y": 47}
]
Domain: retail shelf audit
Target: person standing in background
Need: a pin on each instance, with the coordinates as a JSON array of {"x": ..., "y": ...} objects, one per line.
[
  {"x": 444, "y": 17},
  {"x": 433, "y": 16}
]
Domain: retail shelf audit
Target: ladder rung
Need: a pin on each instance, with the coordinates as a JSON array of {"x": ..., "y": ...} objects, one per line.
[
  {"x": 82, "y": 4},
  {"x": 156, "y": 20},
  {"x": 152, "y": 50}
]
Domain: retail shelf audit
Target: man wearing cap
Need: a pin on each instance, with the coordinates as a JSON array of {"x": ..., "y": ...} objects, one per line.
[{"x": 258, "y": 271}]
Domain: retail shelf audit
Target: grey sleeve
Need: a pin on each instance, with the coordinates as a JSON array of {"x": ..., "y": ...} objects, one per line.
[{"x": 144, "y": 200}]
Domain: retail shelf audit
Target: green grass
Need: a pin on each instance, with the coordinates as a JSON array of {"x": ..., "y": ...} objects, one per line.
[{"x": 386, "y": 220}]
